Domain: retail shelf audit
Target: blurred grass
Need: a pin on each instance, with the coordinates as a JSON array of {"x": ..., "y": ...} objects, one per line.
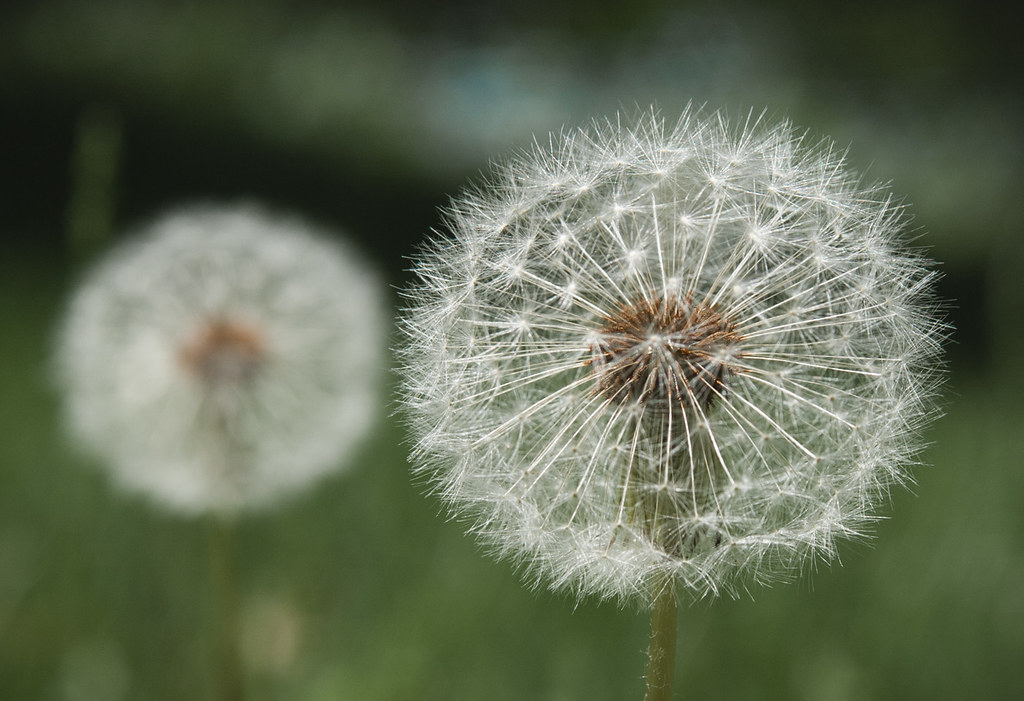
[
  {"x": 359, "y": 590},
  {"x": 383, "y": 600}
]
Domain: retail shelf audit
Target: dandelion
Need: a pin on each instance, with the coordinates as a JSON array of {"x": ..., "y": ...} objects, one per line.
[
  {"x": 650, "y": 358},
  {"x": 223, "y": 359}
]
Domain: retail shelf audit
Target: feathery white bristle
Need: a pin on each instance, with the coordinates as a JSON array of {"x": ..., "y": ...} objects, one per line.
[{"x": 745, "y": 452}]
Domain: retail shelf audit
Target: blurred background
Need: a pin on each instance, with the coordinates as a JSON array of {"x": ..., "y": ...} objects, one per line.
[{"x": 365, "y": 117}]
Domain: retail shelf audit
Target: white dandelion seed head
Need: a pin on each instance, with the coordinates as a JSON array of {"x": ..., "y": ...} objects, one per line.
[
  {"x": 697, "y": 351},
  {"x": 223, "y": 358}
]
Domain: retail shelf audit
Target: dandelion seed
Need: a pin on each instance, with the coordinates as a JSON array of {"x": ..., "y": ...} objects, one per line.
[
  {"x": 224, "y": 359},
  {"x": 708, "y": 364}
]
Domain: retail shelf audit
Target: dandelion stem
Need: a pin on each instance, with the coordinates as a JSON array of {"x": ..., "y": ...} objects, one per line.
[
  {"x": 661, "y": 654},
  {"x": 94, "y": 167},
  {"x": 222, "y": 566}
]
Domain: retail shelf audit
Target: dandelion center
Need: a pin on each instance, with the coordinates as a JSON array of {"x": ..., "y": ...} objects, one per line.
[
  {"x": 665, "y": 352},
  {"x": 224, "y": 352}
]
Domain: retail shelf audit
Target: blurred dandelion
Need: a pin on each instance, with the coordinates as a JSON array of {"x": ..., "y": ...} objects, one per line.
[
  {"x": 650, "y": 356},
  {"x": 224, "y": 359},
  {"x": 219, "y": 362}
]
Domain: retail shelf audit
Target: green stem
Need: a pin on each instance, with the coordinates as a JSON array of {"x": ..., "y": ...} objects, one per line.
[
  {"x": 661, "y": 654},
  {"x": 222, "y": 566},
  {"x": 94, "y": 166}
]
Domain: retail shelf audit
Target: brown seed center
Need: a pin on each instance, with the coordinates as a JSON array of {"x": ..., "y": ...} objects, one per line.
[
  {"x": 667, "y": 353},
  {"x": 224, "y": 352}
]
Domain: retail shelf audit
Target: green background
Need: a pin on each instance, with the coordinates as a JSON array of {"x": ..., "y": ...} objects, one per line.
[{"x": 365, "y": 118}]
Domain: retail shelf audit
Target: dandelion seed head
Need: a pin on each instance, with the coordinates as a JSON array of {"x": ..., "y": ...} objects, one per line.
[
  {"x": 222, "y": 358},
  {"x": 709, "y": 363}
]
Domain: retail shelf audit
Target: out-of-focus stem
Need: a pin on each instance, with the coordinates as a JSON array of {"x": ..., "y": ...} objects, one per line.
[
  {"x": 222, "y": 566},
  {"x": 94, "y": 166}
]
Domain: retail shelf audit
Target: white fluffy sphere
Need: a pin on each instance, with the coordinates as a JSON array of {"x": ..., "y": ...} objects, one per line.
[
  {"x": 223, "y": 358},
  {"x": 685, "y": 353}
]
